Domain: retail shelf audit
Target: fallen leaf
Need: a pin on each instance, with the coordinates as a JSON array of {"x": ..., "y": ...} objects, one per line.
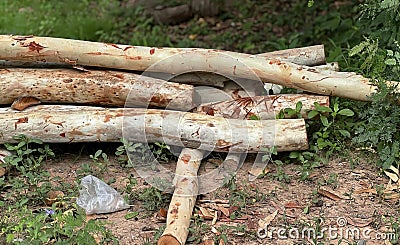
[
  {"x": 207, "y": 242},
  {"x": 257, "y": 171},
  {"x": 215, "y": 231},
  {"x": 329, "y": 194},
  {"x": 24, "y": 102},
  {"x": 263, "y": 223},
  {"x": 232, "y": 209},
  {"x": 4, "y": 154},
  {"x": 368, "y": 190},
  {"x": 292, "y": 205},
  {"x": 393, "y": 176},
  {"x": 206, "y": 213},
  {"x": 357, "y": 222},
  {"x": 224, "y": 210},
  {"x": 162, "y": 212},
  {"x": 2, "y": 171},
  {"x": 214, "y": 221}
]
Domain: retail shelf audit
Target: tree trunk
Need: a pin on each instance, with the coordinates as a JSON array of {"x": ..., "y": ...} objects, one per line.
[
  {"x": 95, "y": 87},
  {"x": 183, "y": 60},
  {"x": 262, "y": 107},
  {"x": 184, "y": 197},
  {"x": 58, "y": 124}
]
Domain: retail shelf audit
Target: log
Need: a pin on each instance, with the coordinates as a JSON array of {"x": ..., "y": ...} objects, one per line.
[
  {"x": 184, "y": 197},
  {"x": 309, "y": 56},
  {"x": 60, "y": 124},
  {"x": 95, "y": 87},
  {"x": 183, "y": 60},
  {"x": 313, "y": 55},
  {"x": 263, "y": 107}
]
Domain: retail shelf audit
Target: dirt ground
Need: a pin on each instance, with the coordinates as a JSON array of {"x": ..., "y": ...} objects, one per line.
[{"x": 348, "y": 203}]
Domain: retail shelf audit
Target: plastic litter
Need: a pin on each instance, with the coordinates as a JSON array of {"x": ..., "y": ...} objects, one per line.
[{"x": 97, "y": 197}]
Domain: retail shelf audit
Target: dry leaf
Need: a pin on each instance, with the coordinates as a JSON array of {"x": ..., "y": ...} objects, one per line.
[
  {"x": 207, "y": 213},
  {"x": 232, "y": 209},
  {"x": 2, "y": 171},
  {"x": 359, "y": 222},
  {"x": 207, "y": 242},
  {"x": 215, "y": 231},
  {"x": 329, "y": 194},
  {"x": 162, "y": 212},
  {"x": 24, "y": 102},
  {"x": 369, "y": 190},
  {"x": 258, "y": 171},
  {"x": 3, "y": 154},
  {"x": 393, "y": 176},
  {"x": 292, "y": 205},
  {"x": 224, "y": 210},
  {"x": 214, "y": 221},
  {"x": 263, "y": 223}
]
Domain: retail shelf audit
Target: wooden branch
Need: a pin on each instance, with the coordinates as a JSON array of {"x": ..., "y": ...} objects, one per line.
[
  {"x": 58, "y": 124},
  {"x": 172, "y": 60},
  {"x": 309, "y": 56},
  {"x": 263, "y": 107},
  {"x": 95, "y": 87},
  {"x": 184, "y": 197}
]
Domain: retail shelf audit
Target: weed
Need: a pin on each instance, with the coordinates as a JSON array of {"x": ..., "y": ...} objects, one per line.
[
  {"x": 25, "y": 158},
  {"x": 28, "y": 184},
  {"x": 152, "y": 199},
  {"x": 280, "y": 174},
  {"x": 198, "y": 227}
]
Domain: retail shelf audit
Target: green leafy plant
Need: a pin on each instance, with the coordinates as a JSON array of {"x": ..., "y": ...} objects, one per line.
[
  {"x": 26, "y": 155},
  {"x": 332, "y": 127}
]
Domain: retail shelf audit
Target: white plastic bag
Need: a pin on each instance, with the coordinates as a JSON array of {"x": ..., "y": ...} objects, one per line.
[{"x": 97, "y": 197}]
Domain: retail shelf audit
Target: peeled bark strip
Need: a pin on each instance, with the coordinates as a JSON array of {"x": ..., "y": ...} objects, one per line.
[
  {"x": 96, "y": 87},
  {"x": 58, "y": 124},
  {"x": 184, "y": 197},
  {"x": 175, "y": 60},
  {"x": 262, "y": 107}
]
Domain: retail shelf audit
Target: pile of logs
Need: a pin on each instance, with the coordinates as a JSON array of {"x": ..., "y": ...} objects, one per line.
[{"x": 59, "y": 90}]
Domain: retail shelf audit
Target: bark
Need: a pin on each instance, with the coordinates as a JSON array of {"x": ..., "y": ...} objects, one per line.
[
  {"x": 194, "y": 78},
  {"x": 263, "y": 107},
  {"x": 173, "y": 60},
  {"x": 96, "y": 87},
  {"x": 309, "y": 56},
  {"x": 184, "y": 197},
  {"x": 58, "y": 124}
]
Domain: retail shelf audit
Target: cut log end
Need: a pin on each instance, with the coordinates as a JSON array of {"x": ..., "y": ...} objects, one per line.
[{"x": 168, "y": 239}]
